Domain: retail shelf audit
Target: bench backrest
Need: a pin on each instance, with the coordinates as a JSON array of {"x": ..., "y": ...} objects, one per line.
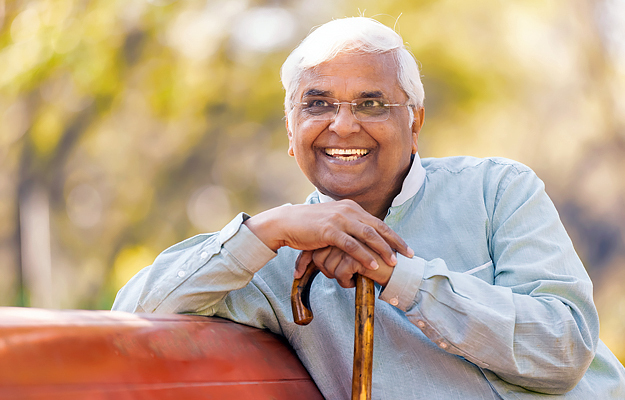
[{"x": 93, "y": 355}]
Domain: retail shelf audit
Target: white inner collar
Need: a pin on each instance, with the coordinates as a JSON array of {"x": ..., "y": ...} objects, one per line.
[{"x": 410, "y": 187}]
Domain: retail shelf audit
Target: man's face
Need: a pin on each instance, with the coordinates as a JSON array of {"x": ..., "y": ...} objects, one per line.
[{"x": 347, "y": 158}]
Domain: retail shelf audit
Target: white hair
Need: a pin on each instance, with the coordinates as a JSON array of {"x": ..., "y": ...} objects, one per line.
[{"x": 357, "y": 34}]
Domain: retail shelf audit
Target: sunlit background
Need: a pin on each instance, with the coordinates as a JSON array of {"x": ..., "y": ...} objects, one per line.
[{"x": 129, "y": 125}]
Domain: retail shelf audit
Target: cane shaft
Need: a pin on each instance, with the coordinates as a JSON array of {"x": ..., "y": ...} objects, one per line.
[{"x": 363, "y": 339}]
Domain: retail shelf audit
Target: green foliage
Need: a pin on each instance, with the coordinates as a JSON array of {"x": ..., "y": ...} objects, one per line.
[{"x": 149, "y": 121}]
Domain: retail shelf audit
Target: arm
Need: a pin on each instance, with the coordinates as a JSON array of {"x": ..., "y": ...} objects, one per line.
[
  {"x": 537, "y": 326},
  {"x": 196, "y": 274}
]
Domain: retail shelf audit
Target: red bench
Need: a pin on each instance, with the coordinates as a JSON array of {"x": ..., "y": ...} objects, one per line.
[{"x": 94, "y": 355}]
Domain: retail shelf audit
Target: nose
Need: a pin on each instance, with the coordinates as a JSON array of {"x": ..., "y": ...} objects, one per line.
[{"x": 344, "y": 124}]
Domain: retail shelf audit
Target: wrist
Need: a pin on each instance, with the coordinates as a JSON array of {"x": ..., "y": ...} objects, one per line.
[{"x": 266, "y": 228}]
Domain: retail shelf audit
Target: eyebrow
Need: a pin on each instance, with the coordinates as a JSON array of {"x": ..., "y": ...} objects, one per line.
[
  {"x": 317, "y": 92},
  {"x": 373, "y": 94},
  {"x": 325, "y": 93}
]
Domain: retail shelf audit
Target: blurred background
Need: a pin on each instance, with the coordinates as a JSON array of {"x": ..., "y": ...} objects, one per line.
[{"x": 129, "y": 125}]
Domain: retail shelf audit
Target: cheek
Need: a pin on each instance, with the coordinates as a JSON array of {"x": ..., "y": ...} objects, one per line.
[
  {"x": 399, "y": 139},
  {"x": 304, "y": 135},
  {"x": 301, "y": 147}
]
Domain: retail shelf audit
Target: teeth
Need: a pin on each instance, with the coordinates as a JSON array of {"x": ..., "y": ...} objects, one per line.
[{"x": 353, "y": 153}]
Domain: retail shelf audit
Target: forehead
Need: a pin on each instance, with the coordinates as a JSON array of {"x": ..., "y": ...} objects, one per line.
[{"x": 352, "y": 75}]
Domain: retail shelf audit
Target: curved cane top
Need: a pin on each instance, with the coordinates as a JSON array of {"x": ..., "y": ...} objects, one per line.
[{"x": 300, "y": 295}]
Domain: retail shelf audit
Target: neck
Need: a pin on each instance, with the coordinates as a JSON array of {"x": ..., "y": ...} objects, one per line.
[
  {"x": 380, "y": 211},
  {"x": 377, "y": 203}
]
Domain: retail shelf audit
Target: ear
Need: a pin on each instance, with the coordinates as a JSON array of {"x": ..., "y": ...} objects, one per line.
[
  {"x": 417, "y": 124},
  {"x": 289, "y": 135}
]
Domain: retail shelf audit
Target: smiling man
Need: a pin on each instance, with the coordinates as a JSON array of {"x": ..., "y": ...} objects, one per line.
[{"x": 481, "y": 294}]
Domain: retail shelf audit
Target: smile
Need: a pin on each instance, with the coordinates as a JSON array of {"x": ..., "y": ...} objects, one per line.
[{"x": 346, "y": 154}]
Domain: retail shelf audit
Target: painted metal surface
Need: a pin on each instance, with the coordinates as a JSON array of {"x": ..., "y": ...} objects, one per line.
[{"x": 70, "y": 355}]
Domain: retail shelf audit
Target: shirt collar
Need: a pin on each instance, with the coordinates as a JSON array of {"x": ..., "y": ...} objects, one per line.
[{"x": 410, "y": 187}]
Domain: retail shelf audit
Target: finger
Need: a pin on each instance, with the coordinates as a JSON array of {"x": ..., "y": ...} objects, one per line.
[
  {"x": 374, "y": 230},
  {"x": 304, "y": 258},
  {"x": 345, "y": 271},
  {"x": 327, "y": 260},
  {"x": 370, "y": 237},
  {"x": 394, "y": 240},
  {"x": 334, "y": 258},
  {"x": 319, "y": 256},
  {"x": 326, "y": 267},
  {"x": 354, "y": 248},
  {"x": 337, "y": 260}
]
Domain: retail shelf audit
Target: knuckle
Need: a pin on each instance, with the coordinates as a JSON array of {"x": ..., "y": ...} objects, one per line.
[
  {"x": 318, "y": 258},
  {"x": 329, "y": 232},
  {"x": 344, "y": 284},
  {"x": 350, "y": 245},
  {"x": 369, "y": 233},
  {"x": 344, "y": 278},
  {"x": 347, "y": 202},
  {"x": 350, "y": 263},
  {"x": 383, "y": 228},
  {"x": 327, "y": 274},
  {"x": 348, "y": 205}
]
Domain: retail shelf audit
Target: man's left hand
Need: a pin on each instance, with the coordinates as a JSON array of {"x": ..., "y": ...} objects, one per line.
[{"x": 334, "y": 263}]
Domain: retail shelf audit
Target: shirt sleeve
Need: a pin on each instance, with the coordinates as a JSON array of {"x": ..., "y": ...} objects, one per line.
[
  {"x": 196, "y": 274},
  {"x": 536, "y": 326}
]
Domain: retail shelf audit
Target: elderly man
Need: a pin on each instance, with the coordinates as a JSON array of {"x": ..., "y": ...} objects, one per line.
[{"x": 481, "y": 294}]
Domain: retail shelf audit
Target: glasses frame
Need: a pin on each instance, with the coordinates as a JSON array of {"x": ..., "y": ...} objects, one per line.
[{"x": 353, "y": 104}]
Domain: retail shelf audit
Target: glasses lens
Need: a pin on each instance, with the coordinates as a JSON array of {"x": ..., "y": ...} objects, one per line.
[
  {"x": 319, "y": 108},
  {"x": 325, "y": 109},
  {"x": 371, "y": 110}
]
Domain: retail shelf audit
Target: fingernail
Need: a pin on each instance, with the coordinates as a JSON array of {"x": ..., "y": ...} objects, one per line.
[
  {"x": 410, "y": 252},
  {"x": 393, "y": 259},
  {"x": 374, "y": 265}
]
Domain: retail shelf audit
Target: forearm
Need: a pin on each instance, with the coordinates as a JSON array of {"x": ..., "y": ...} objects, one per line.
[
  {"x": 194, "y": 275},
  {"x": 539, "y": 340}
]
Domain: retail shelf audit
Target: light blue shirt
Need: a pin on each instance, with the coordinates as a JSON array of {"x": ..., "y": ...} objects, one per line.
[{"x": 494, "y": 304}]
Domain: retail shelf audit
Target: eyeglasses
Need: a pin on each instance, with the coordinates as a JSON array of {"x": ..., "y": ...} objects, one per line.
[{"x": 364, "y": 110}]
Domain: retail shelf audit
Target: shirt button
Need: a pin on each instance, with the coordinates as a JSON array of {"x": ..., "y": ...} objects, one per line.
[
  {"x": 181, "y": 274},
  {"x": 394, "y": 301},
  {"x": 421, "y": 324},
  {"x": 203, "y": 255},
  {"x": 442, "y": 345}
]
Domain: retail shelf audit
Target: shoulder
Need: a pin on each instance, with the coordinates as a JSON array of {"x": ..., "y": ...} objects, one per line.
[
  {"x": 487, "y": 177},
  {"x": 471, "y": 170},
  {"x": 467, "y": 164}
]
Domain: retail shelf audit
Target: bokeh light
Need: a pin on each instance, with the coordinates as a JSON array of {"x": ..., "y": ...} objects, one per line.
[{"x": 127, "y": 126}]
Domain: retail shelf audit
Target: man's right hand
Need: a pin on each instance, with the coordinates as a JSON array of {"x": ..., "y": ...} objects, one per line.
[{"x": 342, "y": 224}]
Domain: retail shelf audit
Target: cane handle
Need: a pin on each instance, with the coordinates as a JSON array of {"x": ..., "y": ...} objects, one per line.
[{"x": 300, "y": 295}]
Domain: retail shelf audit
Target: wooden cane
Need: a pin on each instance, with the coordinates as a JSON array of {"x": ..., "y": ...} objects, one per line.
[
  {"x": 363, "y": 339},
  {"x": 363, "y": 329}
]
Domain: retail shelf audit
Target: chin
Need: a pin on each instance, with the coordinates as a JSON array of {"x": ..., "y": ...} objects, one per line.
[{"x": 341, "y": 193}]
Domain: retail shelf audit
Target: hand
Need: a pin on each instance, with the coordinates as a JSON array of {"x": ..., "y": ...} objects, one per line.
[
  {"x": 341, "y": 224},
  {"x": 336, "y": 264}
]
